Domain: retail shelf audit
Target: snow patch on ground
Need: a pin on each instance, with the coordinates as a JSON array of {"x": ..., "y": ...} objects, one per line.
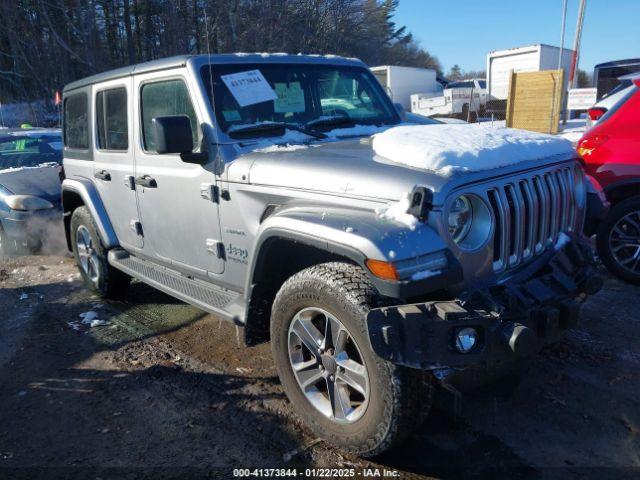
[
  {"x": 397, "y": 212},
  {"x": 448, "y": 149},
  {"x": 573, "y": 130},
  {"x": 89, "y": 318}
]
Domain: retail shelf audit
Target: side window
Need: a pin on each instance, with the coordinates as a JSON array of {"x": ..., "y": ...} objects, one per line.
[
  {"x": 76, "y": 122},
  {"x": 160, "y": 99},
  {"x": 111, "y": 119}
]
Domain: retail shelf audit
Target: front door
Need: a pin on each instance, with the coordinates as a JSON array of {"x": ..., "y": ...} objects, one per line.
[
  {"x": 113, "y": 159},
  {"x": 179, "y": 214}
]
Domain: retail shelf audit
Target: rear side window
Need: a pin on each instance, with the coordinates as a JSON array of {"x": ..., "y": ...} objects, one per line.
[
  {"x": 76, "y": 122},
  {"x": 612, "y": 111},
  {"x": 111, "y": 119},
  {"x": 160, "y": 99}
]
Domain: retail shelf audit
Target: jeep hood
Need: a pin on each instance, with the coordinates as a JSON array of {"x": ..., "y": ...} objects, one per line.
[
  {"x": 347, "y": 167},
  {"x": 352, "y": 168}
]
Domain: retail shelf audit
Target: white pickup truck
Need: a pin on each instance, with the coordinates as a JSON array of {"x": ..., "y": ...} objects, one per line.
[{"x": 458, "y": 98}]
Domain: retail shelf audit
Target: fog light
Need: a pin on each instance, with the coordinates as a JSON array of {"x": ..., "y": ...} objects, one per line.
[{"x": 466, "y": 339}]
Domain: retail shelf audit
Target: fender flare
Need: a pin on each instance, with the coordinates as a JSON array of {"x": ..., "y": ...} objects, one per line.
[
  {"x": 91, "y": 199},
  {"x": 620, "y": 185},
  {"x": 354, "y": 234}
]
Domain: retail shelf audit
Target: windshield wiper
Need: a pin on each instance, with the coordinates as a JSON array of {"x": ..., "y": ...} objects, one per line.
[
  {"x": 278, "y": 127},
  {"x": 330, "y": 122}
]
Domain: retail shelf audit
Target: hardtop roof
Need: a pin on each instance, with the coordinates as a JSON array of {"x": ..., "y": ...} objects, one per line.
[{"x": 222, "y": 58}]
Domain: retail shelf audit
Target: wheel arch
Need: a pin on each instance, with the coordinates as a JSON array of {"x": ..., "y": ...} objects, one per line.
[
  {"x": 268, "y": 272},
  {"x": 78, "y": 193},
  {"x": 622, "y": 190}
]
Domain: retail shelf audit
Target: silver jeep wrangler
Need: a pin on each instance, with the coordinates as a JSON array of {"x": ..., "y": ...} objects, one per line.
[{"x": 247, "y": 185}]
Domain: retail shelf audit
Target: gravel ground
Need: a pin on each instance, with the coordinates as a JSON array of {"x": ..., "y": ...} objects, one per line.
[{"x": 153, "y": 388}]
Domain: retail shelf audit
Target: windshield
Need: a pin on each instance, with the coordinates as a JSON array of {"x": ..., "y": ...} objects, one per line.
[
  {"x": 29, "y": 150},
  {"x": 315, "y": 97}
]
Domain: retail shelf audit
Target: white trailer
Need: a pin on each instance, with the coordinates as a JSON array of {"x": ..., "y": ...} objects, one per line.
[
  {"x": 533, "y": 58},
  {"x": 401, "y": 82}
]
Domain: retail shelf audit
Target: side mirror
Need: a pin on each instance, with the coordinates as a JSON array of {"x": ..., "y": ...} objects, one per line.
[
  {"x": 401, "y": 111},
  {"x": 173, "y": 134}
]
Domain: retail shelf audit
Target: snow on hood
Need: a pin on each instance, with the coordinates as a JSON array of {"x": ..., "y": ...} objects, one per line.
[
  {"x": 19, "y": 169},
  {"x": 448, "y": 149},
  {"x": 397, "y": 212},
  {"x": 293, "y": 140}
]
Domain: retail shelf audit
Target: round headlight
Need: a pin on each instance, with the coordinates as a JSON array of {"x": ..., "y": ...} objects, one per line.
[
  {"x": 460, "y": 218},
  {"x": 469, "y": 221}
]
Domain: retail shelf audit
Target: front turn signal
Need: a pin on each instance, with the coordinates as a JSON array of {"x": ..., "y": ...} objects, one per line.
[{"x": 383, "y": 270}]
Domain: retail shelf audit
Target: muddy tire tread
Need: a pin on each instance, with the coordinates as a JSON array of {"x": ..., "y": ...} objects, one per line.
[{"x": 410, "y": 395}]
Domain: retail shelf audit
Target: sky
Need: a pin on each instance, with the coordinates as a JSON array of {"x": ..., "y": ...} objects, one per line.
[{"x": 463, "y": 31}]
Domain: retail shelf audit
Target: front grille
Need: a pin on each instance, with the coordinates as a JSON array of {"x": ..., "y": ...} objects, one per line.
[{"x": 531, "y": 213}]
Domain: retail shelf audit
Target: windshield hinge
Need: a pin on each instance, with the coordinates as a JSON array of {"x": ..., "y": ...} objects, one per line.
[{"x": 210, "y": 192}]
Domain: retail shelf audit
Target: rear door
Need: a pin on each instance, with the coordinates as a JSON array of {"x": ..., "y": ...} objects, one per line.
[
  {"x": 180, "y": 219},
  {"x": 113, "y": 159}
]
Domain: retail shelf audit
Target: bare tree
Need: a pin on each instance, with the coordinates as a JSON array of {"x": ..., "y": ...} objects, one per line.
[{"x": 45, "y": 44}]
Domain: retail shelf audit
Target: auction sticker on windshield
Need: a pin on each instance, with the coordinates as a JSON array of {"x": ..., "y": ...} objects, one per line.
[
  {"x": 290, "y": 98},
  {"x": 249, "y": 88}
]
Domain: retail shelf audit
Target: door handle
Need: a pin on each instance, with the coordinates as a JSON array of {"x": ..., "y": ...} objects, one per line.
[
  {"x": 103, "y": 175},
  {"x": 146, "y": 181}
]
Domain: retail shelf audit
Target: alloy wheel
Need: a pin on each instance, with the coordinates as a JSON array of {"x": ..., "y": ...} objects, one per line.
[
  {"x": 624, "y": 242},
  {"x": 87, "y": 254},
  {"x": 328, "y": 365}
]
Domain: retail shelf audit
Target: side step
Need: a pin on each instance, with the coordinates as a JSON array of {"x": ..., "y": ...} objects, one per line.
[{"x": 208, "y": 297}]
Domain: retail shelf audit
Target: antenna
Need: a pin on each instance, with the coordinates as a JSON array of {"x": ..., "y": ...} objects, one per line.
[
  {"x": 217, "y": 163},
  {"x": 206, "y": 33}
]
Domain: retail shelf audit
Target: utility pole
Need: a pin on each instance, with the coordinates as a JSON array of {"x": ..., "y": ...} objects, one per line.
[
  {"x": 564, "y": 23},
  {"x": 576, "y": 44},
  {"x": 576, "y": 49}
]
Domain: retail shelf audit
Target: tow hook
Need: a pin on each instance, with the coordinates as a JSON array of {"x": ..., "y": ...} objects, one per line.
[{"x": 520, "y": 338}]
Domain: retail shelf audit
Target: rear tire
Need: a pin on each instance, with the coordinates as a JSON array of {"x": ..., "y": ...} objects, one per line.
[
  {"x": 621, "y": 261},
  {"x": 91, "y": 258},
  {"x": 395, "y": 398}
]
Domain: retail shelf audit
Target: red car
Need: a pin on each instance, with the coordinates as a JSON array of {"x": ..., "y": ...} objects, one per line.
[{"x": 611, "y": 152}]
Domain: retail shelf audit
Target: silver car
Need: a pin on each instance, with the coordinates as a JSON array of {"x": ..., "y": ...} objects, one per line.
[{"x": 247, "y": 185}]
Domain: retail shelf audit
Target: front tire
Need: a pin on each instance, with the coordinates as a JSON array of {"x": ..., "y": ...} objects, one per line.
[
  {"x": 618, "y": 240},
  {"x": 345, "y": 393},
  {"x": 91, "y": 258},
  {"x": 8, "y": 246}
]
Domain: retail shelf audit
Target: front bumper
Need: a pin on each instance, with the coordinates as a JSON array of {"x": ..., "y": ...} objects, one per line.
[{"x": 512, "y": 319}]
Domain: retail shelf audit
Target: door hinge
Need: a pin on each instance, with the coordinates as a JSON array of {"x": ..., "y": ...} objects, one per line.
[
  {"x": 136, "y": 227},
  {"x": 215, "y": 247},
  {"x": 210, "y": 192}
]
